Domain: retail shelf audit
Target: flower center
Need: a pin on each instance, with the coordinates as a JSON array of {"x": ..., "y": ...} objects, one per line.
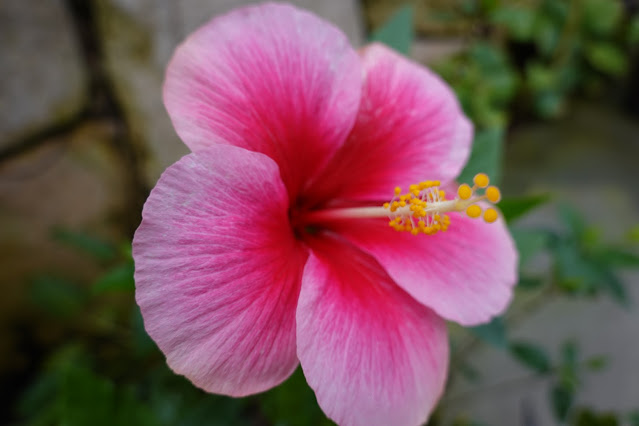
[{"x": 421, "y": 210}]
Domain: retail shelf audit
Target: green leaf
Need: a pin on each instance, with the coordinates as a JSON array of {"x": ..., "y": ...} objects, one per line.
[
  {"x": 540, "y": 77},
  {"x": 493, "y": 333},
  {"x": 549, "y": 104},
  {"x": 276, "y": 404},
  {"x": 587, "y": 417},
  {"x": 518, "y": 21},
  {"x": 569, "y": 368},
  {"x": 556, "y": 10},
  {"x": 597, "y": 363},
  {"x": 574, "y": 273},
  {"x": 502, "y": 85},
  {"x": 488, "y": 57},
  {"x": 38, "y": 400},
  {"x": 86, "y": 399},
  {"x": 119, "y": 278},
  {"x": 616, "y": 257},
  {"x": 126, "y": 250},
  {"x": 633, "y": 418},
  {"x": 398, "y": 32},
  {"x": 569, "y": 353},
  {"x": 572, "y": 220},
  {"x": 85, "y": 243},
  {"x": 529, "y": 242},
  {"x": 607, "y": 58},
  {"x": 514, "y": 207},
  {"x": 601, "y": 17},
  {"x": 609, "y": 282},
  {"x": 569, "y": 77},
  {"x": 532, "y": 356},
  {"x": 546, "y": 34},
  {"x": 562, "y": 400},
  {"x": 633, "y": 31},
  {"x": 175, "y": 401},
  {"x": 528, "y": 283},
  {"x": 633, "y": 234},
  {"x": 212, "y": 410},
  {"x": 57, "y": 296},
  {"x": 141, "y": 343},
  {"x": 129, "y": 410},
  {"x": 485, "y": 156},
  {"x": 591, "y": 238},
  {"x": 489, "y": 5}
]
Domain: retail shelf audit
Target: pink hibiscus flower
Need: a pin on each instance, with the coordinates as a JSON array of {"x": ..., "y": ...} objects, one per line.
[{"x": 269, "y": 245}]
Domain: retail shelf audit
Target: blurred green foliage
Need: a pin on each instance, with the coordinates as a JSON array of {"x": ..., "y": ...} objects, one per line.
[
  {"x": 538, "y": 53},
  {"x": 398, "y": 32},
  {"x": 111, "y": 373}
]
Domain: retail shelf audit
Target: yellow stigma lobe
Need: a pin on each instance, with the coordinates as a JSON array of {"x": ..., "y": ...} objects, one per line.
[
  {"x": 493, "y": 194},
  {"x": 473, "y": 211},
  {"x": 481, "y": 180},
  {"x": 422, "y": 210},
  {"x": 464, "y": 191},
  {"x": 490, "y": 215}
]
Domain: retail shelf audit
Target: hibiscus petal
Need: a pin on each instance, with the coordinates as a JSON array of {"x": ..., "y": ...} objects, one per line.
[
  {"x": 218, "y": 271},
  {"x": 373, "y": 355},
  {"x": 270, "y": 78},
  {"x": 410, "y": 128},
  {"x": 465, "y": 274}
]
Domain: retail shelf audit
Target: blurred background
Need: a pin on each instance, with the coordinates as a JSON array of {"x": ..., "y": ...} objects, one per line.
[{"x": 553, "y": 89}]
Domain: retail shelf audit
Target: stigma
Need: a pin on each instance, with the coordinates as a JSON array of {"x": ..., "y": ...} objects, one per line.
[{"x": 423, "y": 209}]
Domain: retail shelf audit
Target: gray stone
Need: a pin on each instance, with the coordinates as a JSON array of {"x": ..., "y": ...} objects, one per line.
[
  {"x": 139, "y": 37},
  {"x": 43, "y": 81}
]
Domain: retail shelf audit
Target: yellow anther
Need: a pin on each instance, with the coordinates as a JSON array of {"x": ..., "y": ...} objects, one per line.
[
  {"x": 481, "y": 180},
  {"x": 490, "y": 215},
  {"x": 398, "y": 190},
  {"x": 473, "y": 211},
  {"x": 386, "y": 205},
  {"x": 493, "y": 194},
  {"x": 402, "y": 203},
  {"x": 464, "y": 192},
  {"x": 442, "y": 194}
]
